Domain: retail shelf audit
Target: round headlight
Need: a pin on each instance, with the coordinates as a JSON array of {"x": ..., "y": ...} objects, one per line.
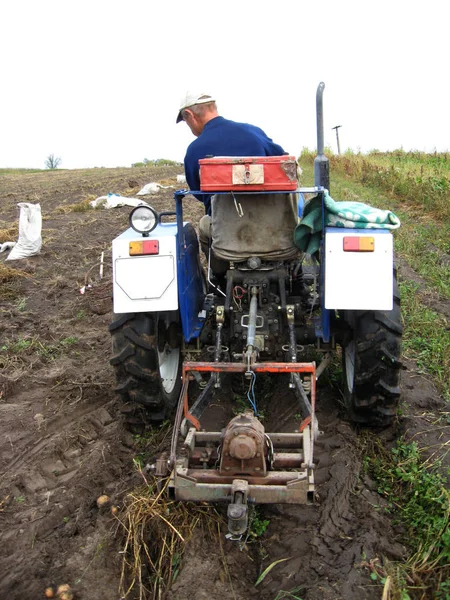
[{"x": 143, "y": 219}]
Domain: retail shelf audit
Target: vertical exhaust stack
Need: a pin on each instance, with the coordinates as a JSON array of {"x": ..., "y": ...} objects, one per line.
[{"x": 321, "y": 164}]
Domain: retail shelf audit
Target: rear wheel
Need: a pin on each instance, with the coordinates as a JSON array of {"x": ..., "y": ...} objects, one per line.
[
  {"x": 371, "y": 364},
  {"x": 146, "y": 358}
]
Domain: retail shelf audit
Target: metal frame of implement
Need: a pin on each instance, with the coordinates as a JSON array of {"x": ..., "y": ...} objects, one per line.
[{"x": 290, "y": 479}]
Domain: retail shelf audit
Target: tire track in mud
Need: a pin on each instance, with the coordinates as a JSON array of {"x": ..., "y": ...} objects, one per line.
[
  {"x": 57, "y": 427},
  {"x": 49, "y": 493}
]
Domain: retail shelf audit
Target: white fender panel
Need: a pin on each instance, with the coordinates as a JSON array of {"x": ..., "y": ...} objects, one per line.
[
  {"x": 356, "y": 280},
  {"x": 145, "y": 283}
]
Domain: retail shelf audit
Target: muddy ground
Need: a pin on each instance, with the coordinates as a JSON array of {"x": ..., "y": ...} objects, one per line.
[{"x": 63, "y": 442}]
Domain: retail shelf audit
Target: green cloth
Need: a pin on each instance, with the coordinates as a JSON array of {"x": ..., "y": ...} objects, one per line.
[{"x": 354, "y": 215}]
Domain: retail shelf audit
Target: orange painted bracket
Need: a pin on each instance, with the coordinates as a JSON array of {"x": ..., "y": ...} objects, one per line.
[{"x": 267, "y": 367}]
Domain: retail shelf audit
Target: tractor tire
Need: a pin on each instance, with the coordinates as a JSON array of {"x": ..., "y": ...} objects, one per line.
[
  {"x": 146, "y": 356},
  {"x": 371, "y": 364}
]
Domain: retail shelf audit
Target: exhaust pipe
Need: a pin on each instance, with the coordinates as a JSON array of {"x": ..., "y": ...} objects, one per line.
[{"x": 321, "y": 164}]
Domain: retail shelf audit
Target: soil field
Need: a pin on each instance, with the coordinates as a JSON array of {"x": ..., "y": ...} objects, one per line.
[{"x": 63, "y": 442}]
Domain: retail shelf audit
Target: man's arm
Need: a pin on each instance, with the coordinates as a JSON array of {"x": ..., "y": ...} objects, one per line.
[{"x": 192, "y": 172}]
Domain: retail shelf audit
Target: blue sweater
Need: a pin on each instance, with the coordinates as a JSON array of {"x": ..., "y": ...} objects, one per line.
[{"x": 221, "y": 137}]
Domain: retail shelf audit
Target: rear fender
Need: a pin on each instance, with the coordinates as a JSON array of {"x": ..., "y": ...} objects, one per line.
[
  {"x": 358, "y": 269},
  {"x": 145, "y": 283},
  {"x": 167, "y": 281}
]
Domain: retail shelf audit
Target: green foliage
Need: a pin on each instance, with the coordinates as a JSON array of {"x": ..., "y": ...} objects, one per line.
[
  {"x": 81, "y": 207},
  {"x": 69, "y": 341},
  {"x": 417, "y": 495},
  {"x": 425, "y": 337},
  {"x": 37, "y": 347},
  {"x": 288, "y": 595},
  {"x": 159, "y": 162},
  {"x": 16, "y": 347},
  {"x": 18, "y": 171},
  {"x": 241, "y": 405},
  {"x": 21, "y": 304},
  {"x": 269, "y": 568},
  {"x": 258, "y": 526},
  {"x": 443, "y": 591},
  {"x": 421, "y": 179}
]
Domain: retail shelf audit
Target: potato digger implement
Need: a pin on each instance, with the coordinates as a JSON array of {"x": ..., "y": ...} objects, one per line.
[{"x": 180, "y": 330}]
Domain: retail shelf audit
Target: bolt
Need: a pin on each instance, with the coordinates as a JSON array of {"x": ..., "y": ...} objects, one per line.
[
  {"x": 258, "y": 454},
  {"x": 275, "y": 321},
  {"x": 266, "y": 337}
]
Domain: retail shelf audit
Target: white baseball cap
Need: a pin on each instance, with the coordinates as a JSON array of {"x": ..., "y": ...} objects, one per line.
[{"x": 192, "y": 98}]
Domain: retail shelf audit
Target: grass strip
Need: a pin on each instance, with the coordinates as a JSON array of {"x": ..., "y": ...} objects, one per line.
[
  {"x": 417, "y": 497},
  {"x": 426, "y": 337}
]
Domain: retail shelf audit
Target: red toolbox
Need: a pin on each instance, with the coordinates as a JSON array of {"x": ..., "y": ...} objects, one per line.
[{"x": 248, "y": 173}]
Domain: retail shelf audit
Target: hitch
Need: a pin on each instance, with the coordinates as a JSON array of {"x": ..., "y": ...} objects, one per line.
[{"x": 237, "y": 511}]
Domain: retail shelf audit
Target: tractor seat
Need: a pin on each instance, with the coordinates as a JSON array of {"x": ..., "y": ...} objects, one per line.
[{"x": 265, "y": 229}]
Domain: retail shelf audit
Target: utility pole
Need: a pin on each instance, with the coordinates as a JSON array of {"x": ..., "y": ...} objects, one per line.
[{"x": 337, "y": 137}]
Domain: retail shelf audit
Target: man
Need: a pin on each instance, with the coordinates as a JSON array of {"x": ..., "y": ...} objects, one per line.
[{"x": 217, "y": 136}]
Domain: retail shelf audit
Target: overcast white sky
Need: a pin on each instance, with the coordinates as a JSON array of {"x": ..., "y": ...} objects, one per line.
[{"x": 99, "y": 82}]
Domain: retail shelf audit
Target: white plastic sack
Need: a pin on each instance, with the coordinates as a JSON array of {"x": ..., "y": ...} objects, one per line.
[
  {"x": 7, "y": 246},
  {"x": 30, "y": 229},
  {"x": 152, "y": 188},
  {"x": 149, "y": 188},
  {"x": 115, "y": 201},
  {"x": 181, "y": 178}
]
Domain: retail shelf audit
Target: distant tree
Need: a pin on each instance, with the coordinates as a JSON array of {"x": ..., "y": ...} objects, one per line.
[
  {"x": 52, "y": 162},
  {"x": 158, "y": 162}
]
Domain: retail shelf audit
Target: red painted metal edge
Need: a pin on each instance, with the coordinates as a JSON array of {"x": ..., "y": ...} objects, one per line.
[
  {"x": 224, "y": 367},
  {"x": 276, "y": 367}
]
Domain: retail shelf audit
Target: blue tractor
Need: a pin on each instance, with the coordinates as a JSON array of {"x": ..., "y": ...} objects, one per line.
[{"x": 177, "y": 327}]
